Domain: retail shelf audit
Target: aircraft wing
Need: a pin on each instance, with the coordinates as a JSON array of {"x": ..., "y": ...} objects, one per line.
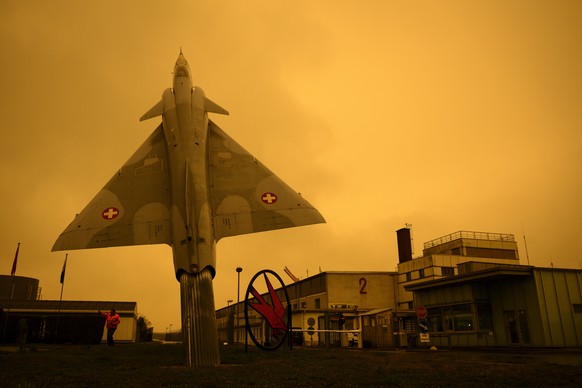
[
  {"x": 246, "y": 196},
  {"x": 132, "y": 208}
]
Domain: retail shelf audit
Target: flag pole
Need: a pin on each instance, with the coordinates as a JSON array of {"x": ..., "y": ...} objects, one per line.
[
  {"x": 13, "y": 275},
  {"x": 61, "y": 298}
]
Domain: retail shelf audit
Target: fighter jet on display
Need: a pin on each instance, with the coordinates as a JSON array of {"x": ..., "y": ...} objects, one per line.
[{"x": 188, "y": 185}]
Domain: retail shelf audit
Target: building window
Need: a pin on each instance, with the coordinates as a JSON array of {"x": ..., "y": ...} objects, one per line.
[
  {"x": 408, "y": 276},
  {"x": 317, "y": 303},
  {"x": 447, "y": 271},
  {"x": 435, "y": 319},
  {"x": 516, "y": 326},
  {"x": 303, "y": 305},
  {"x": 523, "y": 326},
  {"x": 421, "y": 273},
  {"x": 409, "y": 324},
  {"x": 463, "y": 317},
  {"x": 457, "y": 318},
  {"x": 448, "y": 324},
  {"x": 484, "y": 316}
]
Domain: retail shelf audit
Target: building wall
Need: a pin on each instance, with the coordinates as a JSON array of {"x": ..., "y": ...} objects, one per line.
[
  {"x": 433, "y": 267},
  {"x": 347, "y": 293},
  {"x": 126, "y": 331},
  {"x": 316, "y": 303},
  {"x": 366, "y": 290},
  {"x": 18, "y": 288},
  {"x": 559, "y": 294},
  {"x": 447, "y": 306},
  {"x": 515, "y": 312},
  {"x": 509, "y": 314},
  {"x": 542, "y": 309},
  {"x": 52, "y": 321}
]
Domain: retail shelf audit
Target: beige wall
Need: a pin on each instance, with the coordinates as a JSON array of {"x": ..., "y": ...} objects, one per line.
[
  {"x": 126, "y": 331},
  {"x": 367, "y": 290}
]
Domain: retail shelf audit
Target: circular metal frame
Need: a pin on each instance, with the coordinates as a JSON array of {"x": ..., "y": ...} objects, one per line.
[{"x": 275, "y": 318}]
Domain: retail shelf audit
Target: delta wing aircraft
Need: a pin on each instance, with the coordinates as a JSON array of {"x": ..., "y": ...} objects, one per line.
[{"x": 188, "y": 185}]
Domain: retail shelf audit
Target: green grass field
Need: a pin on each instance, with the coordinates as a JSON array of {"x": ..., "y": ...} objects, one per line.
[{"x": 160, "y": 365}]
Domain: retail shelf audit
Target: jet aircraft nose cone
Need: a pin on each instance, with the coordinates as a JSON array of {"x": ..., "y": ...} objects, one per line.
[{"x": 181, "y": 59}]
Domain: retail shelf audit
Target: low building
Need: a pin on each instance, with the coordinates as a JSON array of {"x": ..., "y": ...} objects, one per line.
[
  {"x": 18, "y": 288},
  {"x": 317, "y": 304},
  {"x": 77, "y": 322},
  {"x": 488, "y": 304},
  {"x": 23, "y": 317},
  {"x": 470, "y": 285}
]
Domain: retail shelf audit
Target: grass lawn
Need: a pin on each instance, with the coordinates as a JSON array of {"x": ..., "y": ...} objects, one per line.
[{"x": 160, "y": 365}]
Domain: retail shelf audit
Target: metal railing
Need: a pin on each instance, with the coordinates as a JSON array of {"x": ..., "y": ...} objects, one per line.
[{"x": 472, "y": 235}]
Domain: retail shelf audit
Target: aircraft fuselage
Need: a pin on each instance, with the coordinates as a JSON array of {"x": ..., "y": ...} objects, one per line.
[{"x": 185, "y": 123}]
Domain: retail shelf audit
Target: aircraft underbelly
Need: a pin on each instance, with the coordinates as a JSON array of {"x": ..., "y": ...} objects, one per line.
[{"x": 194, "y": 246}]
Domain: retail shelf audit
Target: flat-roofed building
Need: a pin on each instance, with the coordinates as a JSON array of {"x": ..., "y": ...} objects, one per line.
[
  {"x": 441, "y": 257},
  {"x": 471, "y": 284},
  {"x": 488, "y": 304},
  {"x": 319, "y": 301},
  {"x": 53, "y": 321},
  {"x": 67, "y": 321}
]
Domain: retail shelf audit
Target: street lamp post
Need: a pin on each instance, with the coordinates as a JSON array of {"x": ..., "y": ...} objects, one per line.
[{"x": 238, "y": 271}]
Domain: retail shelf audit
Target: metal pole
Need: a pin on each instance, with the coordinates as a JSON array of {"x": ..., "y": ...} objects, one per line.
[
  {"x": 61, "y": 299},
  {"x": 13, "y": 275},
  {"x": 238, "y": 271},
  {"x": 199, "y": 335}
]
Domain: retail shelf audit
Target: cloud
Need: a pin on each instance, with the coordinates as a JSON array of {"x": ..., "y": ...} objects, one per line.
[{"x": 450, "y": 117}]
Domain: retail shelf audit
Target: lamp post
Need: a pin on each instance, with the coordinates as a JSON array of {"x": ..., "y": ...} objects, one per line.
[{"x": 238, "y": 271}]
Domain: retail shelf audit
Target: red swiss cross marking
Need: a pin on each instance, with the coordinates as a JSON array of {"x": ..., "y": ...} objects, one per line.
[
  {"x": 269, "y": 198},
  {"x": 110, "y": 213}
]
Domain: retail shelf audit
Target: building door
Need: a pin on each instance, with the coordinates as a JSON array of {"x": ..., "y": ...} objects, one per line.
[
  {"x": 516, "y": 327},
  {"x": 384, "y": 328},
  {"x": 322, "y": 337}
]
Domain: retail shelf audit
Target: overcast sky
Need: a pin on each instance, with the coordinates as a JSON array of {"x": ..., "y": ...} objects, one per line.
[{"x": 448, "y": 115}]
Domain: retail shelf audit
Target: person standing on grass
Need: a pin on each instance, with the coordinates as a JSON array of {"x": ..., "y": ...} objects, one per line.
[{"x": 113, "y": 320}]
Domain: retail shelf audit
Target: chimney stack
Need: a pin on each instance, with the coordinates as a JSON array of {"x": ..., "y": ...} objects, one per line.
[{"x": 404, "y": 245}]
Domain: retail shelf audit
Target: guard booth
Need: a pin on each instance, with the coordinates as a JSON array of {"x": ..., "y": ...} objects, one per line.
[{"x": 377, "y": 328}]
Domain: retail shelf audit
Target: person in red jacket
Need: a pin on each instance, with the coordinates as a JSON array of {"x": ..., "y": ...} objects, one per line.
[{"x": 112, "y": 320}]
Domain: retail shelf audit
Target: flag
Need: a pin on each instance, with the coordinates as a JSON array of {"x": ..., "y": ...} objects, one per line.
[
  {"x": 15, "y": 261},
  {"x": 64, "y": 269}
]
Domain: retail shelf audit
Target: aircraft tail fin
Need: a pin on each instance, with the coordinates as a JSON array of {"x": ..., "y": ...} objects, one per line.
[{"x": 212, "y": 107}]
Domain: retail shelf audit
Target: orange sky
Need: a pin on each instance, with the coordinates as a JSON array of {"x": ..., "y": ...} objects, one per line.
[{"x": 450, "y": 115}]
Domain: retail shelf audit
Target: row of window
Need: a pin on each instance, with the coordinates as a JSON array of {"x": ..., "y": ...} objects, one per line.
[
  {"x": 316, "y": 301},
  {"x": 460, "y": 317},
  {"x": 445, "y": 271}
]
